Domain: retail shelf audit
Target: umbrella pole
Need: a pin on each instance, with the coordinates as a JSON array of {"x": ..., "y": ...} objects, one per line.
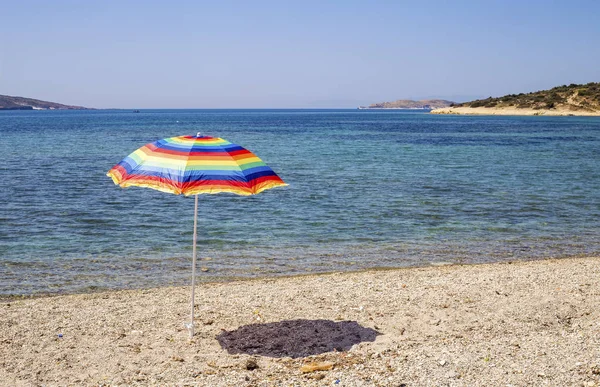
[{"x": 191, "y": 326}]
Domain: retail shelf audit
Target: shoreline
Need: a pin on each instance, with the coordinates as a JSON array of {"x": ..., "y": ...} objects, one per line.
[
  {"x": 228, "y": 279},
  {"x": 513, "y": 111},
  {"x": 517, "y": 322},
  {"x": 369, "y": 108}
]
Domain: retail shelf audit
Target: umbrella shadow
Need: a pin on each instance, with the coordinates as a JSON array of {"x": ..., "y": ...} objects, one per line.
[{"x": 295, "y": 338}]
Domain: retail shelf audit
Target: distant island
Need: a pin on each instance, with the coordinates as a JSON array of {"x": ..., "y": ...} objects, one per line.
[
  {"x": 410, "y": 104},
  {"x": 20, "y": 103},
  {"x": 571, "y": 100}
]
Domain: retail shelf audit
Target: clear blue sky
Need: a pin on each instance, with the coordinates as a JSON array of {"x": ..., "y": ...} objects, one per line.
[{"x": 261, "y": 54}]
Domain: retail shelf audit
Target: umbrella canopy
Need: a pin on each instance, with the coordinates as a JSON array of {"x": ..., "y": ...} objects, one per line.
[{"x": 193, "y": 165}]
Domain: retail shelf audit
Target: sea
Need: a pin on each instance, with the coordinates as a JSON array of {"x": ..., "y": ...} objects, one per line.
[{"x": 367, "y": 189}]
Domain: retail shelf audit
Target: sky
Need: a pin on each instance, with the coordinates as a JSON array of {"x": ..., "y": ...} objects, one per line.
[{"x": 284, "y": 54}]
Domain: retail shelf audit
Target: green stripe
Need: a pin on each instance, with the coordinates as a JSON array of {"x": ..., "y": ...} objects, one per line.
[{"x": 252, "y": 165}]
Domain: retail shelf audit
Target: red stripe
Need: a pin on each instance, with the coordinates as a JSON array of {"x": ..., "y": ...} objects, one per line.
[
  {"x": 263, "y": 179},
  {"x": 225, "y": 183},
  {"x": 245, "y": 186},
  {"x": 240, "y": 152},
  {"x": 119, "y": 170},
  {"x": 154, "y": 149}
]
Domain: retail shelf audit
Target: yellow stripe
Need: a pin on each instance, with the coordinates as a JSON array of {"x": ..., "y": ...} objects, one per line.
[
  {"x": 249, "y": 160},
  {"x": 161, "y": 162},
  {"x": 160, "y": 188}
]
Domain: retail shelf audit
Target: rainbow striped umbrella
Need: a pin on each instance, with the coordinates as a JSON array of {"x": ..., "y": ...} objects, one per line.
[{"x": 193, "y": 165}]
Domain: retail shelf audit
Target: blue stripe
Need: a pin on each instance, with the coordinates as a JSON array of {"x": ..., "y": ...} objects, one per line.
[
  {"x": 128, "y": 164},
  {"x": 238, "y": 177},
  {"x": 262, "y": 168},
  {"x": 191, "y": 176},
  {"x": 260, "y": 174}
]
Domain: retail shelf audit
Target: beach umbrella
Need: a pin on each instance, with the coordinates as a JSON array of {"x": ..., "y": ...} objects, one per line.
[{"x": 194, "y": 165}]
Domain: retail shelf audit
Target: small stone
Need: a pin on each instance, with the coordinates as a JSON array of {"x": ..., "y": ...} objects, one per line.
[
  {"x": 443, "y": 362},
  {"x": 251, "y": 365},
  {"x": 177, "y": 358},
  {"x": 312, "y": 367},
  {"x": 204, "y": 269}
]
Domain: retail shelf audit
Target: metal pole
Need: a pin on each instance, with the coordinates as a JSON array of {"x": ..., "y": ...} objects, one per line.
[{"x": 191, "y": 326}]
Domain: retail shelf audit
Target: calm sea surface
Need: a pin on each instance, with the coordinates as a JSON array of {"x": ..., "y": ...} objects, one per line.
[{"x": 367, "y": 189}]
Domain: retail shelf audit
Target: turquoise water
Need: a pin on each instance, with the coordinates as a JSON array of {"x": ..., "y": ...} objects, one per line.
[{"x": 367, "y": 189}]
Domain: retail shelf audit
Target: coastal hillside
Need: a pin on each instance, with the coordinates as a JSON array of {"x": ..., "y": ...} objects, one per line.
[
  {"x": 410, "y": 104},
  {"x": 20, "y": 103},
  {"x": 574, "y": 99}
]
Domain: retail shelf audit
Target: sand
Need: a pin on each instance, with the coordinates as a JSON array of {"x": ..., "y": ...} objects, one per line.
[
  {"x": 513, "y": 111},
  {"x": 521, "y": 323}
]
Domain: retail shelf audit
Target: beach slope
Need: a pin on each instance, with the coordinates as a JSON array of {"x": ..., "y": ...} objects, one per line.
[{"x": 521, "y": 323}]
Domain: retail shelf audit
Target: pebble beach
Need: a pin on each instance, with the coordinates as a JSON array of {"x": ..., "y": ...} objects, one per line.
[{"x": 511, "y": 323}]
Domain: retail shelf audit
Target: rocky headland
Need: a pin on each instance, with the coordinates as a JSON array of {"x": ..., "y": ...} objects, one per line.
[
  {"x": 20, "y": 103},
  {"x": 571, "y": 100},
  {"x": 410, "y": 104}
]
